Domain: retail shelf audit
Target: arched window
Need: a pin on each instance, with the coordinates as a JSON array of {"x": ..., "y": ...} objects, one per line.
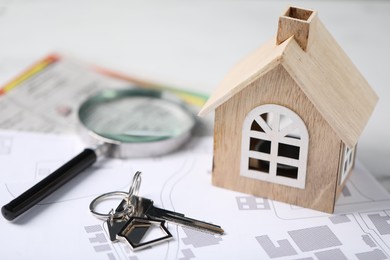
[
  {"x": 346, "y": 163},
  {"x": 274, "y": 146}
]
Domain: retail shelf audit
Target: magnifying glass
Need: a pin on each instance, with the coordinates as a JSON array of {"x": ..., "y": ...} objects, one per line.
[{"x": 123, "y": 123}]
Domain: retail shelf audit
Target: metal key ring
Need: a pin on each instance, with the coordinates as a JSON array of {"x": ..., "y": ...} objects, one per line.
[
  {"x": 105, "y": 196},
  {"x": 134, "y": 189}
]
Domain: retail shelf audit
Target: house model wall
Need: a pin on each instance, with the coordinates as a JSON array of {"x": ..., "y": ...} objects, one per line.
[{"x": 288, "y": 116}]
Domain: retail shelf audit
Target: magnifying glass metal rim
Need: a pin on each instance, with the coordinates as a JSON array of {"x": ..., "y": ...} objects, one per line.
[
  {"x": 118, "y": 149},
  {"x": 104, "y": 146}
]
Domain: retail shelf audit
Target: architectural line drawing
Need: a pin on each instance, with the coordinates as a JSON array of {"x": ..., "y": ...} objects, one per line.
[{"x": 268, "y": 228}]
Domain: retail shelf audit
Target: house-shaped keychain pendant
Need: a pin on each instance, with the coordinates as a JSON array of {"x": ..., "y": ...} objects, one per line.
[{"x": 288, "y": 116}]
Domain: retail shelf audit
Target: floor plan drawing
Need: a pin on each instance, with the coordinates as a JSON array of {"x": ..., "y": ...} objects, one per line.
[{"x": 181, "y": 181}]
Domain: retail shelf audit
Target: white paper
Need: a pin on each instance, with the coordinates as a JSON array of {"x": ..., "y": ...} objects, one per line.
[{"x": 61, "y": 227}]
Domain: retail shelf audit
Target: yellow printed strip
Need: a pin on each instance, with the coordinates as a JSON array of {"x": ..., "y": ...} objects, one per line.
[
  {"x": 28, "y": 73},
  {"x": 190, "y": 97}
]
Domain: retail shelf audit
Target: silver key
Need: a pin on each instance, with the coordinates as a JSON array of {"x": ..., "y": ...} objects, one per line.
[
  {"x": 144, "y": 207},
  {"x": 114, "y": 226},
  {"x": 137, "y": 232},
  {"x": 117, "y": 219},
  {"x": 134, "y": 230}
]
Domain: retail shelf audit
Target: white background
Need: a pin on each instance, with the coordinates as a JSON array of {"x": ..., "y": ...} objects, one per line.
[{"x": 192, "y": 44}]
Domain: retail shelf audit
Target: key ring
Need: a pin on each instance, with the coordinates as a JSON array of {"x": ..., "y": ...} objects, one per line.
[
  {"x": 105, "y": 196},
  {"x": 134, "y": 189},
  {"x": 139, "y": 223}
]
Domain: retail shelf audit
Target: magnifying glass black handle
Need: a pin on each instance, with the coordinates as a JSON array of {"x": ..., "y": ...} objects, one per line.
[{"x": 49, "y": 184}]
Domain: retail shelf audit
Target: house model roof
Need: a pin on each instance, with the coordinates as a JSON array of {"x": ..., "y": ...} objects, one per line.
[{"x": 319, "y": 66}]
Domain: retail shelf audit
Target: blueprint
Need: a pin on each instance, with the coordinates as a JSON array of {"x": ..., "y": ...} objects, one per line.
[{"x": 61, "y": 226}]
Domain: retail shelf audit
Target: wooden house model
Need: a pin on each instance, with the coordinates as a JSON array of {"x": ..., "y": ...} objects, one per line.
[{"x": 289, "y": 115}]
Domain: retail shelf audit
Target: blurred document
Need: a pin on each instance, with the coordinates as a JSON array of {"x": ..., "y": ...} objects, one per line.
[{"x": 46, "y": 97}]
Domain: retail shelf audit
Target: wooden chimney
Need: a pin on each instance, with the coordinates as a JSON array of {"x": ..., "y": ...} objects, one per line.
[{"x": 297, "y": 22}]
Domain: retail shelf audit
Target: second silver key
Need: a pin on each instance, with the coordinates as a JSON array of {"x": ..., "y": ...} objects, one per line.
[{"x": 144, "y": 207}]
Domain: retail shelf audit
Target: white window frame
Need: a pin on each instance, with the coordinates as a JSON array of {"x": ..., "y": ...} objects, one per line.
[
  {"x": 346, "y": 162},
  {"x": 275, "y": 135}
]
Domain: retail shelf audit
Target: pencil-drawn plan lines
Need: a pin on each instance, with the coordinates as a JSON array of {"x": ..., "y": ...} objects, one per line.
[
  {"x": 276, "y": 249},
  {"x": 197, "y": 238},
  {"x": 261, "y": 228},
  {"x": 325, "y": 242},
  {"x": 252, "y": 203},
  {"x": 44, "y": 168}
]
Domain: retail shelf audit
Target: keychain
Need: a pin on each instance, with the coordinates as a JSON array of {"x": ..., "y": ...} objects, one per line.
[{"x": 139, "y": 223}]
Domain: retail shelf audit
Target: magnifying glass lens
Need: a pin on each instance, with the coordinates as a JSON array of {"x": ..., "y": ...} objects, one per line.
[
  {"x": 140, "y": 122},
  {"x": 136, "y": 118}
]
